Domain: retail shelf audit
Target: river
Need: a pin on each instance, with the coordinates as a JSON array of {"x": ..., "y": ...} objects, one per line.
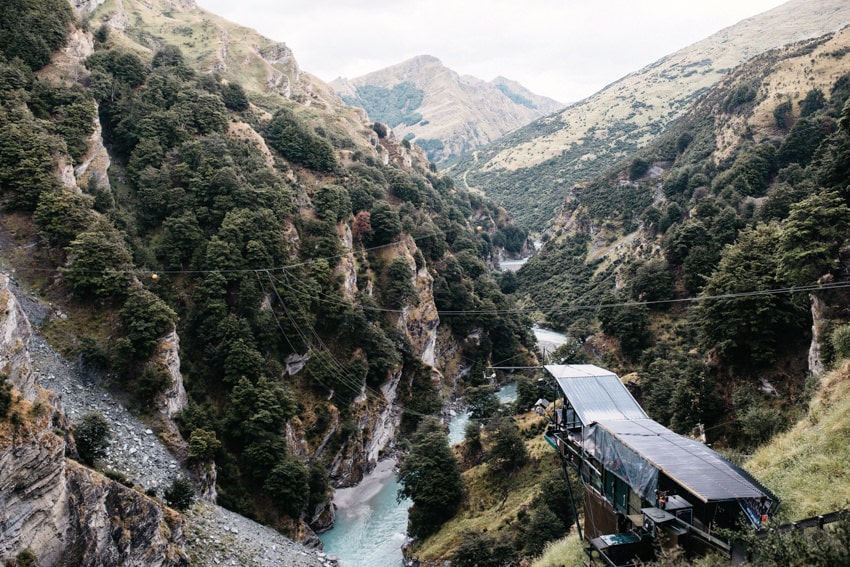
[{"x": 371, "y": 526}]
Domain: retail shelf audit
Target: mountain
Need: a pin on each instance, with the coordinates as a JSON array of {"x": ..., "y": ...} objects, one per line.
[
  {"x": 667, "y": 260},
  {"x": 531, "y": 170},
  {"x": 711, "y": 271},
  {"x": 446, "y": 114},
  {"x": 235, "y": 257}
]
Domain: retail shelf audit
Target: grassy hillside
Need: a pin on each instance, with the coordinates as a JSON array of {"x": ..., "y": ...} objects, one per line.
[
  {"x": 531, "y": 171},
  {"x": 806, "y": 466}
]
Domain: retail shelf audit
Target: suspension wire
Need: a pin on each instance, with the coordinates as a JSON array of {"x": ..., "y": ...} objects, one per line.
[{"x": 348, "y": 380}]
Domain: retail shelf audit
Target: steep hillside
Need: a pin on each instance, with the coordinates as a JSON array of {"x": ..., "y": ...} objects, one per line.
[
  {"x": 806, "y": 464},
  {"x": 444, "y": 113},
  {"x": 532, "y": 170},
  {"x": 667, "y": 263},
  {"x": 210, "y": 43},
  {"x": 251, "y": 268}
]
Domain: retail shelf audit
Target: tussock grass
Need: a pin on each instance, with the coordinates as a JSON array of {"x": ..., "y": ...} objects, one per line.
[
  {"x": 566, "y": 552},
  {"x": 806, "y": 466}
]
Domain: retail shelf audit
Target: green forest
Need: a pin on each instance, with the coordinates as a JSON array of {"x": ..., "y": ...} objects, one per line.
[
  {"x": 728, "y": 258},
  {"x": 240, "y": 252}
]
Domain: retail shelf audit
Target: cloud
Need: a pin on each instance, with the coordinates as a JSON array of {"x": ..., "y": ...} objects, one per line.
[{"x": 565, "y": 49}]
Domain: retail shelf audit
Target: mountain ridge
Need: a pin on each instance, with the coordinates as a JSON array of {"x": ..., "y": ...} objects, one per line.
[
  {"x": 444, "y": 112},
  {"x": 548, "y": 156}
]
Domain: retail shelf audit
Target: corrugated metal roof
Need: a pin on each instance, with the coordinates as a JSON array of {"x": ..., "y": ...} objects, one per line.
[
  {"x": 691, "y": 464},
  {"x": 596, "y": 394}
]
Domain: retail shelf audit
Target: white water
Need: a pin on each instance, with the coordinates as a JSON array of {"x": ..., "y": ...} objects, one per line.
[{"x": 547, "y": 339}]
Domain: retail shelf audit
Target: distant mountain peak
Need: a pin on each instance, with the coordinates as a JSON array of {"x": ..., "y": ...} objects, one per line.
[{"x": 443, "y": 112}]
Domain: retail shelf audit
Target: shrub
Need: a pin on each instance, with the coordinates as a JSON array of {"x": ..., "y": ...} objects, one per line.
[
  {"x": 92, "y": 438},
  {"x": 289, "y": 485},
  {"x": 203, "y": 445},
  {"x": 25, "y": 558},
  {"x": 841, "y": 341},
  {"x": 180, "y": 495},
  {"x": 5, "y": 397}
]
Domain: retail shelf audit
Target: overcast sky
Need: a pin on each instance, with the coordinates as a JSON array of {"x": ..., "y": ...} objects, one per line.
[{"x": 564, "y": 49}]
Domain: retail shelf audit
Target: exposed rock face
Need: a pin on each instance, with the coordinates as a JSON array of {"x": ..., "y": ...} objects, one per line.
[
  {"x": 115, "y": 525},
  {"x": 96, "y": 162},
  {"x": 174, "y": 399},
  {"x": 818, "y": 308},
  {"x": 70, "y": 515},
  {"x": 86, "y": 6},
  {"x": 34, "y": 503},
  {"x": 15, "y": 332}
]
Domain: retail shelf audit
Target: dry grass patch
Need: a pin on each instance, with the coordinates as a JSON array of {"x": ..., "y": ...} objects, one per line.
[{"x": 807, "y": 465}]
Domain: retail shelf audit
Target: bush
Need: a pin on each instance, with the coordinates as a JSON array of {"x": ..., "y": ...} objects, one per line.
[
  {"x": 180, "y": 495},
  {"x": 92, "y": 438},
  {"x": 5, "y": 397},
  {"x": 203, "y": 445},
  {"x": 25, "y": 558},
  {"x": 841, "y": 341},
  {"x": 289, "y": 485}
]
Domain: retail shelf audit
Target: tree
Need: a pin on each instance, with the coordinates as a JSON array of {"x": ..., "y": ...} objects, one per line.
[
  {"x": 234, "y": 97},
  {"x": 386, "y": 225},
  {"x": 398, "y": 288},
  {"x": 816, "y": 229},
  {"x": 298, "y": 142},
  {"x": 34, "y": 29},
  {"x": 5, "y": 397},
  {"x": 629, "y": 325},
  {"x": 62, "y": 215},
  {"x": 543, "y": 527},
  {"x": 507, "y": 452},
  {"x": 289, "y": 486},
  {"x": 98, "y": 263},
  {"x": 430, "y": 476},
  {"x": 180, "y": 494},
  {"x": 361, "y": 227},
  {"x": 203, "y": 445},
  {"x": 748, "y": 329},
  {"x": 26, "y": 160},
  {"x": 814, "y": 101},
  {"x": 332, "y": 203},
  {"x": 146, "y": 318},
  {"x": 92, "y": 437},
  {"x": 481, "y": 402}
]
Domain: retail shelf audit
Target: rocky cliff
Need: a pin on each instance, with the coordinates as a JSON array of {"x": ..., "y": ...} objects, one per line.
[{"x": 67, "y": 514}]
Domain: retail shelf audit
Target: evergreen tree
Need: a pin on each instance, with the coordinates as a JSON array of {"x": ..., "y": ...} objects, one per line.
[{"x": 430, "y": 476}]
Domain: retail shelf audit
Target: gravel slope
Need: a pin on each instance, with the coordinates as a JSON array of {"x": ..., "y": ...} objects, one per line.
[{"x": 215, "y": 536}]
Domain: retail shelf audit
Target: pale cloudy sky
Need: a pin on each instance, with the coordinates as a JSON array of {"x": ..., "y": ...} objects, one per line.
[{"x": 564, "y": 49}]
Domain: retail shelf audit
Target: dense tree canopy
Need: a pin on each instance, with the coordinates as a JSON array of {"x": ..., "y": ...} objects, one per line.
[{"x": 430, "y": 476}]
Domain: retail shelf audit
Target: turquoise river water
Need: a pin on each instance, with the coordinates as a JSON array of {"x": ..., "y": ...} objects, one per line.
[{"x": 371, "y": 525}]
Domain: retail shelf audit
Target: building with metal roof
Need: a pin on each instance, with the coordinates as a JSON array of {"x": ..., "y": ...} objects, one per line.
[{"x": 635, "y": 469}]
